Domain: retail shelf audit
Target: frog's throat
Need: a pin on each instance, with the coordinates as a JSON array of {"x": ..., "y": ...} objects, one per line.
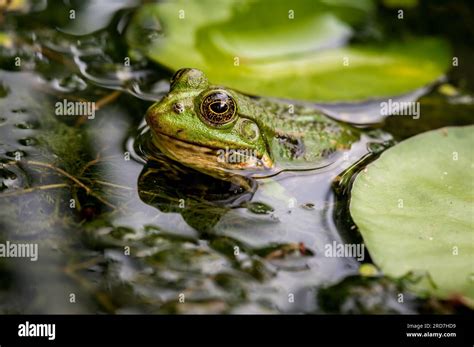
[{"x": 207, "y": 159}]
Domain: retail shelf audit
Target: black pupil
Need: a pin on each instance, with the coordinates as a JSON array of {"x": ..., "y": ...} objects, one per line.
[{"x": 219, "y": 107}]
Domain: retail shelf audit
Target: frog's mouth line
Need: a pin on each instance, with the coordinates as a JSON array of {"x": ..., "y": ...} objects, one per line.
[
  {"x": 167, "y": 137},
  {"x": 204, "y": 157}
]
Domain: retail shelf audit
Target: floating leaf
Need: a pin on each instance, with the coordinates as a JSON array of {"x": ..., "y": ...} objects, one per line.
[
  {"x": 414, "y": 207},
  {"x": 298, "y": 51}
]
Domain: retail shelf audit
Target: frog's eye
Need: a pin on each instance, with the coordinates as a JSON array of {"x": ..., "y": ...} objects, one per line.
[{"x": 218, "y": 108}]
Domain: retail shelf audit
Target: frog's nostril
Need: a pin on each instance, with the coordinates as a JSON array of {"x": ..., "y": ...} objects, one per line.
[{"x": 178, "y": 108}]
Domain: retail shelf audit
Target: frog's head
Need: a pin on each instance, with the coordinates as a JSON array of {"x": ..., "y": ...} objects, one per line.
[{"x": 209, "y": 128}]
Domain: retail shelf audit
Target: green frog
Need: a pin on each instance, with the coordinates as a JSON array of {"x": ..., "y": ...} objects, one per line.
[{"x": 224, "y": 133}]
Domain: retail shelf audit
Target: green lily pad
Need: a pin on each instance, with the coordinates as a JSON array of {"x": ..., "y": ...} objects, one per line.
[
  {"x": 414, "y": 208},
  {"x": 297, "y": 50}
]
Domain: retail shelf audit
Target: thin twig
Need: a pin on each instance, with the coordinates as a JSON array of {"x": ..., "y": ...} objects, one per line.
[
  {"x": 57, "y": 57},
  {"x": 107, "y": 99},
  {"x": 62, "y": 172},
  {"x": 112, "y": 185},
  {"x": 72, "y": 178},
  {"x": 90, "y": 163},
  {"x": 32, "y": 189}
]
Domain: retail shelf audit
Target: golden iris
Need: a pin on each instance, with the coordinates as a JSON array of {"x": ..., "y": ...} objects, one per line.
[{"x": 218, "y": 108}]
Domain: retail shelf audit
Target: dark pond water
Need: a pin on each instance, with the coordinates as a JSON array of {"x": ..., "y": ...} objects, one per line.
[{"x": 119, "y": 234}]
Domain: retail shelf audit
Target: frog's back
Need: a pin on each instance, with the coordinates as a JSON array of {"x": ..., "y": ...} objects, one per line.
[{"x": 302, "y": 136}]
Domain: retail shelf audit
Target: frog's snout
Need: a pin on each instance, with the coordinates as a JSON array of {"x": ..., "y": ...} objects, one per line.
[{"x": 152, "y": 116}]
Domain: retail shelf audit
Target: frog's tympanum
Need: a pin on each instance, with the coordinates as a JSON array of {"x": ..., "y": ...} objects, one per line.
[{"x": 217, "y": 130}]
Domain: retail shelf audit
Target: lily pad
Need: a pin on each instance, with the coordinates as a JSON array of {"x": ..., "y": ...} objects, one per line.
[
  {"x": 414, "y": 208},
  {"x": 298, "y": 50}
]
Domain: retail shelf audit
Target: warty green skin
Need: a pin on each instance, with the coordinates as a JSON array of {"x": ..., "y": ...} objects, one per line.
[{"x": 267, "y": 135}]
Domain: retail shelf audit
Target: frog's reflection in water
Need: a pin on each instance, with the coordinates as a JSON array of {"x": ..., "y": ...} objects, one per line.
[{"x": 201, "y": 199}]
